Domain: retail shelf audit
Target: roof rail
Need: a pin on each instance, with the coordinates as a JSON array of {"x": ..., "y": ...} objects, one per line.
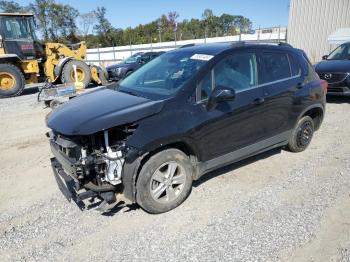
[
  {"x": 285, "y": 44},
  {"x": 240, "y": 43},
  {"x": 188, "y": 45}
]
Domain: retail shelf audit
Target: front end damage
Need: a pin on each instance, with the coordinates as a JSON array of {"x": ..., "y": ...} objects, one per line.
[{"x": 90, "y": 168}]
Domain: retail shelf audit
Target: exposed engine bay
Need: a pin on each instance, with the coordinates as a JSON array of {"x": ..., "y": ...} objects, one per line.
[{"x": 94, "y": 162}]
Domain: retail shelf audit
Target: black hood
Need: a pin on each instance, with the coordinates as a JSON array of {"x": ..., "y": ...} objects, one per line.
[
  {"x": 335, "y": 66},
  {"x": 121, "y": 65},
  {"x": 100, "y": 110}
]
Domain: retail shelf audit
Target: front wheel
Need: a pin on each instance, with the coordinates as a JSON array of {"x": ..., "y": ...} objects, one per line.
[
  {"x": 302, "y": 135},
  {"x": 164, "y": 182},
  {"x": 11, "y": 80},
  {"x": 83, "y": 72}
]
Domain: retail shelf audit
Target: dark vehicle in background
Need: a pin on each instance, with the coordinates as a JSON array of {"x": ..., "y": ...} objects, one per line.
[
  {"x": 335, "y": 69},
  {"x": 187, "y": 112},
  {"x": 129, "y": 65}
]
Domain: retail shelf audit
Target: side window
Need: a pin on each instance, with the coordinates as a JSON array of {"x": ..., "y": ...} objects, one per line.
[
  {"x": 205, "y": 87},
  {"x": 277, "y": 66},
  {"x": 294, "y": 65},
  {"x": 236, "y": 71}
]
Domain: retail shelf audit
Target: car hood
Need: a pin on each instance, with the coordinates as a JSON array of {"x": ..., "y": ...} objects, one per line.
[
  {"x": 336, "y": 66},
  {"x": 122, "y": 65},
  {"x": 100, "y": 110}
]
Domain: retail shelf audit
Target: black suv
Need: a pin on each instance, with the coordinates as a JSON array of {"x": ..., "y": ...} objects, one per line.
[
  {"x": 335, "y": 69},
  {"x": 185, "y": 113},
  {"x": 129, "y": 65}
]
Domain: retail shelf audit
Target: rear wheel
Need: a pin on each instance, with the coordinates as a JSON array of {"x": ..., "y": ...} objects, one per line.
[
  {"x": 83, "y": 72},
  {"x": 164, "y": 182},
  {"x": 302, "y": 135},
  {"x": 11, "y": 80}
]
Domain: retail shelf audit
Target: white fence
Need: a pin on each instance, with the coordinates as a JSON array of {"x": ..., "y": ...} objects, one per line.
[{"x": 109, "y": 55}]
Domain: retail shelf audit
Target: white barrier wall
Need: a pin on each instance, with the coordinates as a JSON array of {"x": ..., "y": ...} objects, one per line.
[{"x": 112, "y": 55}]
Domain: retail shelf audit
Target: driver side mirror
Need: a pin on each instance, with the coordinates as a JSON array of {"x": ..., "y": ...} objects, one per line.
[
  {"x": 324, "y": 57},
  {"x": 220, "y": 94}
]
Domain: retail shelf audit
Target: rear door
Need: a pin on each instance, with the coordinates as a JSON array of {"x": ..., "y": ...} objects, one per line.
[{"x": 280, "y": 79}]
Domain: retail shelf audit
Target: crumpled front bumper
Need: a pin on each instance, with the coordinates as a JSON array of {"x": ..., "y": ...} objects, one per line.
[
  {"x": 66, "y": 171},
  {"x": 69, "y": 187}
]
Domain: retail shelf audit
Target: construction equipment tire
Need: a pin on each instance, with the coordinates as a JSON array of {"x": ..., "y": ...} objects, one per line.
[
  {"x": 11, "y": 80},
  {"x": 83, "y": 72}
]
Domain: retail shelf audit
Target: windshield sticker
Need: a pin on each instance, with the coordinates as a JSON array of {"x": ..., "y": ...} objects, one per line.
[{"x": 202, "y": 57}]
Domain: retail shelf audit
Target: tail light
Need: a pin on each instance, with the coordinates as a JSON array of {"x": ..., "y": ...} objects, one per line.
[{"x": 324, "y": 85}]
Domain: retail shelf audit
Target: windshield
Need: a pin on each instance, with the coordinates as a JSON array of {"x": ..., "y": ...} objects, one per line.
[
  {"x": 163, "y": 76},
  {"x": 18, "y": 28},
  {"x": 132, "y": 59},
  {"x": 340, "y": 53}
]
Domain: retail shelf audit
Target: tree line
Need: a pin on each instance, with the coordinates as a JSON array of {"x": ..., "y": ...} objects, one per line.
[{"x": 63, "y": 23}]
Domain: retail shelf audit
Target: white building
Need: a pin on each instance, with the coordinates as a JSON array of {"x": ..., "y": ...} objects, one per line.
[{"x": 313, "y": 22}]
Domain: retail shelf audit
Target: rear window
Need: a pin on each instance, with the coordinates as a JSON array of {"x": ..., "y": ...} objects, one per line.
[{"x": 277, "y": 67}]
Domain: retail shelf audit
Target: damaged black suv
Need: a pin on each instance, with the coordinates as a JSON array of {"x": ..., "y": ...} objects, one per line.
[{"x": 187, "y": 112}]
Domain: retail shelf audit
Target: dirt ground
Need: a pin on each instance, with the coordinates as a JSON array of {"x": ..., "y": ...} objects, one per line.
[{"x": 278, "y": 206}]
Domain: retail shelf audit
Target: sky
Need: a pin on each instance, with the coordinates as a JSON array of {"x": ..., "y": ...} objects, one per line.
[{"x": 124, "y": 13}]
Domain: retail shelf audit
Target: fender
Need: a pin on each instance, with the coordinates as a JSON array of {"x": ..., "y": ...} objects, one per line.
[
  {"x": 60, "y": 65},
  {"x": 318, "y": 105},
  {"x": 9, "y": 57},
  {"x": 133, "y": 163}
]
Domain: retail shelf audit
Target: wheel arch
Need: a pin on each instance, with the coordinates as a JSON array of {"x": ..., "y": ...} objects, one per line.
[
  {"x": 316, "y": 112},
  {"x": 11, "y": 59},
  {"x": 58, "y": 69},
  {"x": 132, "y": 169}
]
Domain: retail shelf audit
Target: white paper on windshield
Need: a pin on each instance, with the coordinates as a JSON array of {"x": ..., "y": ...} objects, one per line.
[{"x": 202, "y": 57}]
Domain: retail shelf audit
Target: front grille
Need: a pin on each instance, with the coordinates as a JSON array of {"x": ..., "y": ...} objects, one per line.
[
  {"x": 333, "y": 78},
  {"x": 335, "y": 90},
  {"x": 67, "y": 147}
]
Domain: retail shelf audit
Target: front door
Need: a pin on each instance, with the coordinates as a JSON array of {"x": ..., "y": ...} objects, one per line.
[{"x": 235, "y": 124}]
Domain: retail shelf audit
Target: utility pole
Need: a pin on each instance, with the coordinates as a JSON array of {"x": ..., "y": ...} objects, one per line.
[
  {"x": 160, "y": 30},
  {"x": 175, "y": 30}
]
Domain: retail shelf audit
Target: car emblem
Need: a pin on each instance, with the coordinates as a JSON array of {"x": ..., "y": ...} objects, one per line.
[{"x": 327, "y": 76}]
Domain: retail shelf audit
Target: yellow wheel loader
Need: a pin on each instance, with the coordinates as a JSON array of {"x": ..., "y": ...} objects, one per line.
[{"x": 23, "y": 60}]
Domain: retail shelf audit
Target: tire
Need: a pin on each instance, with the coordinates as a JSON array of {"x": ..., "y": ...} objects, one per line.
[
  {"x": 103, "y": 75},
  {"x": 84, "y": 72},
  {"x": 54, "y": 104},
  {"x": 302, "y": 135},
  {"x": 157, "y": 194},
  {"x": 11, "y": 80}
]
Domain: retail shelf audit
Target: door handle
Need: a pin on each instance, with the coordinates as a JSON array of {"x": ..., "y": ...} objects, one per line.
[{"x": 259, "y": 101}]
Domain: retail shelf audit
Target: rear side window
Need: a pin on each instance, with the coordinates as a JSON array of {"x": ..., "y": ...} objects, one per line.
[
  {"x": 294, "y": 65},
  {"x": 277, "y": 67}
]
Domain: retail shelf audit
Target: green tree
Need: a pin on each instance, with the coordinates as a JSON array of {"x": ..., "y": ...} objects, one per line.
[
  {"x": 103, "y": 27},
  {"x": 12, "y": 7},
  {"x": 87, "y": 20},
  {"x": 208, "y": 17},
  {"x": 41, "y": 9}
]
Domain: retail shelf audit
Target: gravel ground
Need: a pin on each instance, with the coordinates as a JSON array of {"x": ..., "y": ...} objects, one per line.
[{"x": 278, "y": 206}]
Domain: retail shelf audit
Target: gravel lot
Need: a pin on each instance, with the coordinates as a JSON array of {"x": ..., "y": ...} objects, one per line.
[{"x": 278, "y": 206}]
